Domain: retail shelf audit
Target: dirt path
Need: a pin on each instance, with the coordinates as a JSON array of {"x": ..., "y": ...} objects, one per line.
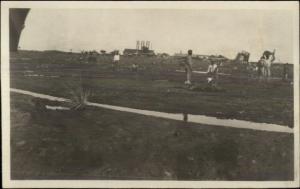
[{"x": 190, "y": 118}]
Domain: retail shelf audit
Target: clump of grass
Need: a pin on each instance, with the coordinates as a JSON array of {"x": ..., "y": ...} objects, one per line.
[
  {"x": 79, "y": 98},
  {"x": 79, "y": 95}
]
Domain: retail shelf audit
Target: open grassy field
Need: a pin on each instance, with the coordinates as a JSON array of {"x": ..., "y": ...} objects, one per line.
[
  {"x": 159, "y": 87},
  {"x": 102, "y": 144}
]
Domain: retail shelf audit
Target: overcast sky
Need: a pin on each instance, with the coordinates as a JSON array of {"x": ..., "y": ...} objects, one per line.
[{"x": 204, "y": 31}]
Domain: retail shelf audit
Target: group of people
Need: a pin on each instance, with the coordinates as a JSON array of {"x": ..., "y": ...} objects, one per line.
[
  {"x": 263, "y": 68},
  {"x": 265, "y": 63},
  {"x": 116, "y": 62},
  {"x": 212, "y": 71}
]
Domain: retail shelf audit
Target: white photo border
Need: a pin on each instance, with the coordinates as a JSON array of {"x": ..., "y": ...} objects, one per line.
[{"x": 217, "y": 5}]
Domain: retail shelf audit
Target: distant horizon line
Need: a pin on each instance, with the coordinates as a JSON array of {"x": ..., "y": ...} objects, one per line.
[{"x": 63, "y": 51}]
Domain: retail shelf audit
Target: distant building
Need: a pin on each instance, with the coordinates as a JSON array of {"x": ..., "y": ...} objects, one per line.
[
  {"x": 217, "y": 58},
  {"x": 142, "y": 48},
  {"x": 130, "y": 52}
]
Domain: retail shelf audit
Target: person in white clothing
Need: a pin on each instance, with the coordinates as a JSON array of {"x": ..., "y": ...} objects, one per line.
[
  {"x": 212, "y": 73},
  {"x": 116, "y": 59}
]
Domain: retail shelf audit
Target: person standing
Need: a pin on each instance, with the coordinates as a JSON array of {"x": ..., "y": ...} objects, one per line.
[
  {"x": 188, "y": 68},
  {"x": 260, "y": 71},
  {"x": 212, "y": 73},
  {"x": 285, "y": 72},
  {"x": 116, "y": 59},
  {"x": 268, "y": 58}
]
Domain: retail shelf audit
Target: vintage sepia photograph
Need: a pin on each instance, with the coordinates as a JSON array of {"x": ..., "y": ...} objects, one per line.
[{"x": 150, "y": 94}]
